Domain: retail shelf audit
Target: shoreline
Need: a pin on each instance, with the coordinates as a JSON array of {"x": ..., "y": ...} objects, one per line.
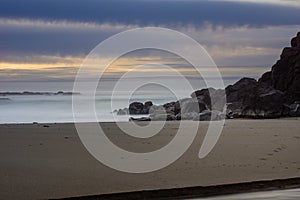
[
  {"x": 199, "y": 192},
  {"x": 48, "y": 161},
  {"x": 69, "y": 123}
]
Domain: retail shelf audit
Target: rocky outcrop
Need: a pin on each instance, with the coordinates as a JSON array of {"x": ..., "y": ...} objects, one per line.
[
  {"x": 275, "y": 94},
  {"x": 285, "y": 74}
]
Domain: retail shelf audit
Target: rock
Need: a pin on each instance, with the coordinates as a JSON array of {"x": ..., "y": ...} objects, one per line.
[
  {"x": 154, "y": 110},
  {"x": 122, "y": 112},
  {"x": 204, "y": 95},
  {"x": 240, "y": 95},
  {"x": 273, "y": 95},
  {"x": 241, "y": 91},
  {"x": 208, "y": 115},
  {"x": 214, "y": 99},
  {"x": 285, "y": 73},
  {"x": 141, "y": 119},
  {"x": 163, "y": 117},
  {"x": 294, "y": 42},
  {"x": 251, "y": 99},
  {"x": 187, "y": 116},
  {"x": 295, "y": 110},
  {"x": 234, "y": 110},
  {"x": 170, "y": 108},
  {"x": 178, "y": 104},
  {"x": 266, "y": 79},
  {"x": 268, "y": 104},
  {"x": 147, "y": 106},
  {"x": 136, "y": 108},
  {"x": 192, "y": 105}
]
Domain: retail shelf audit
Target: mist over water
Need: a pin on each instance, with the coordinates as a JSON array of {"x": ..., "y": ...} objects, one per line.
[{"x": 58, "y": 108}]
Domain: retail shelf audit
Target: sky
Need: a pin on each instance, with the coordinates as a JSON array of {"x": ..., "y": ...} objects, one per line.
[{"x": 47, "y": 40}]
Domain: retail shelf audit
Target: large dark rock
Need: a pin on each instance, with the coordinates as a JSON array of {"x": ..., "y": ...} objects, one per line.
[
  {"x": 164, "y": 112},
  {"x": 204, "y": 95},
  {"x": 269, "y": 103},
  {"x": 136, "y": 108},
  {"x": 242, "y": 91},
  {"x": 251, "y": 99},
  {"x": 170, "y": 108},
  {"x": 285, "y": 74},
  {"x": 192, "y": 105},
  {"x": 147, "y": 106},
  {"x": 212, "y": 98}
]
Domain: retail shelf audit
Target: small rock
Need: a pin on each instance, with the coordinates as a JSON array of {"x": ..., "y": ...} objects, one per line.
[
  {"x": 121, "y": 112},
  {"x": 208, "y": 115},
  {"x": 141, "y": 119},
  {"x": 295, "y": 110},
  {"x": 188, "y": 116}
]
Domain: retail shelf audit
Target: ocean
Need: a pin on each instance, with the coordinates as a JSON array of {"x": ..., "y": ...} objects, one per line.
[{"x": 58, "y": 108}]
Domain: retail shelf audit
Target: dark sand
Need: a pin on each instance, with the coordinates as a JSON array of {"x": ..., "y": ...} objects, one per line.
[{"x": 41, "y": 161}]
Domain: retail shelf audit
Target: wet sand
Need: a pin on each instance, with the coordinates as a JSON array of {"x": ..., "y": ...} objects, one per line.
[{"x": 42, "y": 161}]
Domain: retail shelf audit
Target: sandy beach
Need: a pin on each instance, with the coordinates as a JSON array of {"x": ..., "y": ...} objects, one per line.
[{"x": 42, "y": 161}]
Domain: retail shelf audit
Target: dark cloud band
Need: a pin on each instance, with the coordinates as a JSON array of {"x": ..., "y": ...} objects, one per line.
[{"x": 146, "y": 12}]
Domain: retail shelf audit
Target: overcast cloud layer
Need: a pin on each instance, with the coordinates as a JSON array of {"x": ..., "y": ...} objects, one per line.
[{"x": 235, "y": 33}]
